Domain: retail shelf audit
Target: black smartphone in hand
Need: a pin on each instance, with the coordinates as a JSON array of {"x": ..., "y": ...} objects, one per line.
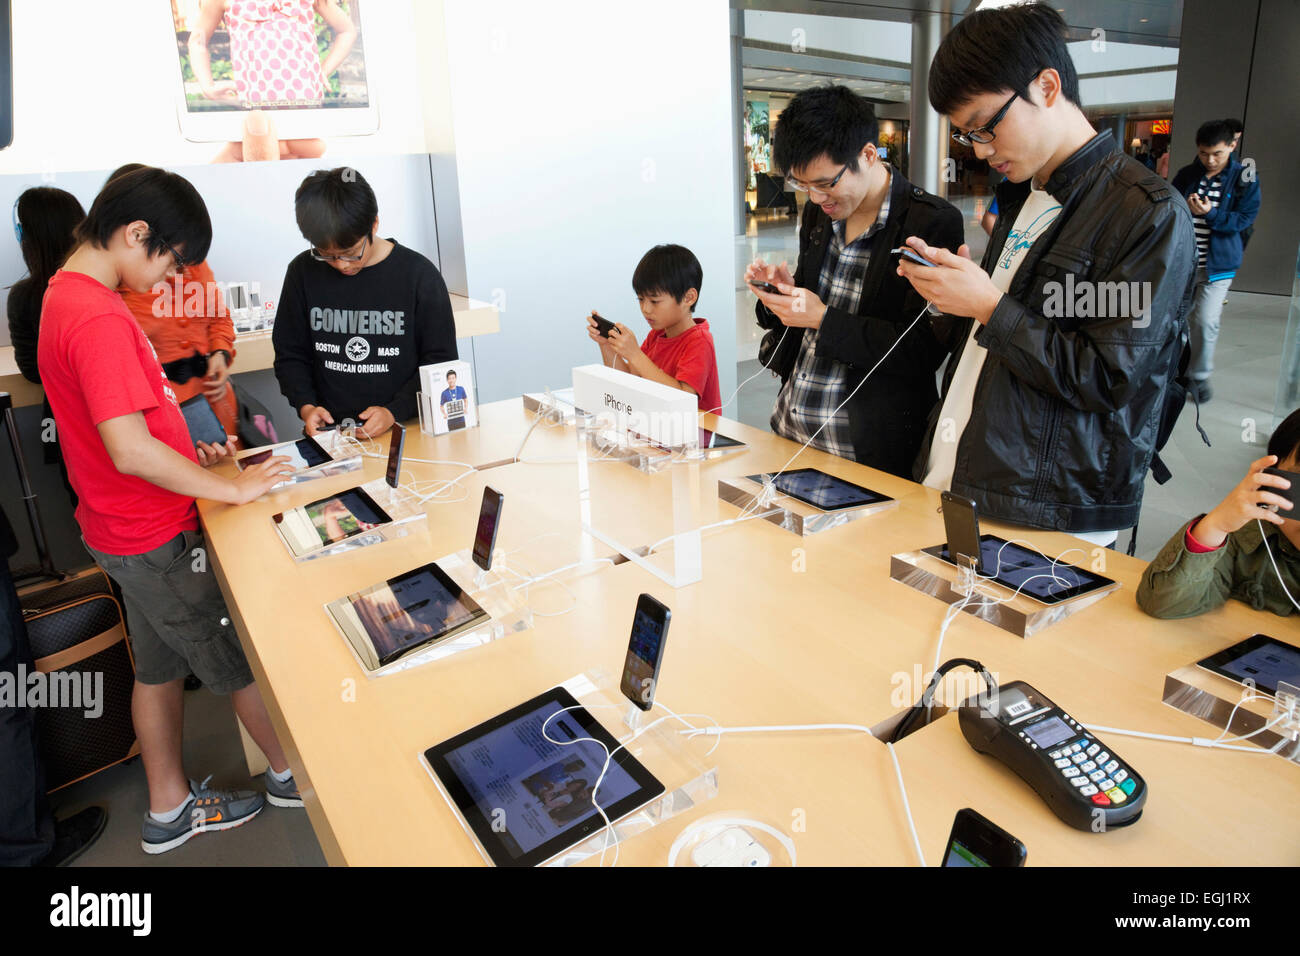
[
  {"x": 765, "y": 286},
  {"x": 911, "y": 255},
  {"x": 603, "y": 325},
  {"x": 1291, "y": 494}
]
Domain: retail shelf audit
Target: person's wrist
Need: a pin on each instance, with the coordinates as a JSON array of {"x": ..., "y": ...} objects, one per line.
[{"x": 1209, "y": 531}]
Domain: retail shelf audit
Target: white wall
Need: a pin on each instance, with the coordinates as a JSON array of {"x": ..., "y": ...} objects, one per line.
[
  {"x": 254, "y": 233},
  {"x": 625, "y": 144}
]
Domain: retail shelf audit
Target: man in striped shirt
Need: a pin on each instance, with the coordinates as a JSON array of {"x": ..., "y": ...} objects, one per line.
[{"x": 1223, "y": 195}]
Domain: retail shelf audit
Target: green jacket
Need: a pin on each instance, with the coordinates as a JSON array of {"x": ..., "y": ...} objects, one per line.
[{"x": 1179, "y": 583}]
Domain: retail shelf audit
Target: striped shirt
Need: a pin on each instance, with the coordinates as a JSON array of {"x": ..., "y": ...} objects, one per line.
[
  {"x": 817, "y": 386},
  {"x": 1208, "y": 189}
]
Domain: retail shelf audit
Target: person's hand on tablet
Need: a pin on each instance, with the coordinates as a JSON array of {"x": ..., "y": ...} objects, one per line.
[
  {"x": 257, "y": 480},
  {"x": 211, "y": 454}
]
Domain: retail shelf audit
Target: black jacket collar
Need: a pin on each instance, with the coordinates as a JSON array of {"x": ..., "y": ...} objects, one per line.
[{"x": 1062, "y": 181}]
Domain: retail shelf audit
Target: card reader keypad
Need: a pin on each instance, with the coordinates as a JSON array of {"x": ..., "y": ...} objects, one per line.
[{"x": 1091, "y": 770}]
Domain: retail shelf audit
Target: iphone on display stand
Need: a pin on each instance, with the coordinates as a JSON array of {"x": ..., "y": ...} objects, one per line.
[{"x": 236, "y": 50}]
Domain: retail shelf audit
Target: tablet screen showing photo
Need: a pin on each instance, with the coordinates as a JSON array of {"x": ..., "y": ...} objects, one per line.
[
  {"x": 1261, "y": 660},
  {"x": 527, "y": 798},
  {"x": 821, "y": 490},
  {"x": 330, "y": 520},
  {"x": 1025, "y": 570},
  {"x": 304, "y": 453},
  {"x": 413, "y": 610}
]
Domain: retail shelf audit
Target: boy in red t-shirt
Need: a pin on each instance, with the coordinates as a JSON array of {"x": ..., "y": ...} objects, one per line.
[
  {"x": 679, "y": 349},
  {"x": 137, "y": 473}
]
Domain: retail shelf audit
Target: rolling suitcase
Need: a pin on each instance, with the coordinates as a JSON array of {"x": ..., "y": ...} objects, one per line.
[{"x": 85, "y": 674}]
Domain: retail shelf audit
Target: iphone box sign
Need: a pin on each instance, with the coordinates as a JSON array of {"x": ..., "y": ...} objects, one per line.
[{"x": 635, "y": 406}]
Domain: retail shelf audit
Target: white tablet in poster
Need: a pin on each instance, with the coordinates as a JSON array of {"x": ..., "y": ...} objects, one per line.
[{"x": 448, "y": 389}]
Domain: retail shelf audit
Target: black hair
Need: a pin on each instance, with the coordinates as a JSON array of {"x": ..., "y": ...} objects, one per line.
[
  {"x": 990, "y": 51},
  {"x": 1234, "y": 125},
  {"x": 828, "y": 121},
  {"x": 1213, "y": 132},
  {"x": 452, "y": 371},
  {"x": 669, "y": 270},
  {"x": 1286, "y": 437},
  {"x": 123, "y": 170},
  {"x": 169, "y": 203},
  {"x": 336, "y": 208},
  {"x": 48, "y": 217}
]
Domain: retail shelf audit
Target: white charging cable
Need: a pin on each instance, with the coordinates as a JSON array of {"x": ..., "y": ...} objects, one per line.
[
  {"x": 1274, "y": 563},
  {"x": 708, "y": 527},
  {"x": 609, "y": 756},
  {"x": 770, "y": 479},
  {"x": 720, "y": 823},
  {"x": 761, "y": 369},
  {"x": 907, "y": 807}
]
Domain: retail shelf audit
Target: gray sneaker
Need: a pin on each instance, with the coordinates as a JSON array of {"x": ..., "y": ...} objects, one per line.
[
  {"x": 208, "y": 809},
  {"x": 281, "y": 794}
]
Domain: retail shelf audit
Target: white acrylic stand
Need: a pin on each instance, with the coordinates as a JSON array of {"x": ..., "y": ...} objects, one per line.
[
  {"x": 1020, "y": 614},
  {"x": 1213, "y": 698},
  {"x": 791, "y": 513},
  {"x": 622, "y": 510},
  {"x": 507, "y": 614},
  {"x": 553, "y": 404}
]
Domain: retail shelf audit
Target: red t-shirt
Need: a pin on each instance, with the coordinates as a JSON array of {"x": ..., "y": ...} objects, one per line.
[
  {"x": 97, "y": 364},
  {"x": 689, "y": 358}
]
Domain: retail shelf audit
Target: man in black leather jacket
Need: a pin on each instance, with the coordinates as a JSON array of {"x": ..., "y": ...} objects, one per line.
[
  {"x": 1051, "y": 407},
  {"x": 846, "y": 307}
]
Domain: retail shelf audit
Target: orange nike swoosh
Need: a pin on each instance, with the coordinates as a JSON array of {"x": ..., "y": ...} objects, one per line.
[{"x": 215, "y": 819}]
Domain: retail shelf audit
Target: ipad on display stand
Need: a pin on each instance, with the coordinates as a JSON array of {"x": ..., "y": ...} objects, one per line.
[{"x": 323, "y": 455}]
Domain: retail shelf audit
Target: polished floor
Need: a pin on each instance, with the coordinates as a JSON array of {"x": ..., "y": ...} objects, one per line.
[{"x": 1238, "y": 420}]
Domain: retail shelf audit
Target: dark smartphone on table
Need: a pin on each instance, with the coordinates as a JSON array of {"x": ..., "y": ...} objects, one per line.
[
  {"x": 977, "y": 841},
  {"x": 603, "y": 325},
  {"x": 645, "y": 651},
  {"x": 489, "y": 519},
  {"x": 396, "y": 446},
  {"x": 962, "y": 527}
]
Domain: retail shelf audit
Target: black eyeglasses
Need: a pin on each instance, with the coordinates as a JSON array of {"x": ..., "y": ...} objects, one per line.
[
  {"x": 320, "y": 257},
  {"x": 820, "y": 187},
  {"x": 176, "y": 256},
  {"x": 985, "y": 134}
]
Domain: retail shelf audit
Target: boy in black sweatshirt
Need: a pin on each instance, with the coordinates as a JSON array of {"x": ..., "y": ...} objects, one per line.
[{"x": 358, "y": 314}]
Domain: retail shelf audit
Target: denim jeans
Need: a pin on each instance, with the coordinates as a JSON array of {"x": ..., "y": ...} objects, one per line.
[{"x": 1207, "y": 306}]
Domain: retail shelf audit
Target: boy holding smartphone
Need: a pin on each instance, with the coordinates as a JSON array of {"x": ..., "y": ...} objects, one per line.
[
  {"x": 137, "y": 473},
  {"x": 1226, "y": 554},
  {"x": 679, "y": 351},
  {"x": 358, "y": 314}
]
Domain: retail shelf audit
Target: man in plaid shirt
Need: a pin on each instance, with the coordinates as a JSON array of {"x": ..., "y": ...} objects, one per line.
[{"x": 845, "y": 311}]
